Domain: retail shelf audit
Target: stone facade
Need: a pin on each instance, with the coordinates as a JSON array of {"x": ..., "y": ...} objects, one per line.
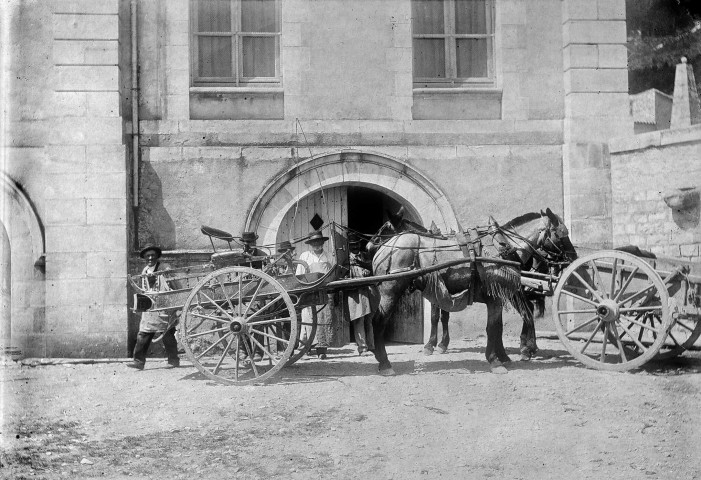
[
  {"x": 64, "y": 149},
  {"x": 533, "y": 140},
  {"x": 644, "y": 171}
]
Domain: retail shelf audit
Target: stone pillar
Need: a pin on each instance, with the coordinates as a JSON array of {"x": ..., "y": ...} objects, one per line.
[
  {"x": 596, "y": 109},
  {"x": 685, "y": 103},
  {"x": 86, "y": 192}
]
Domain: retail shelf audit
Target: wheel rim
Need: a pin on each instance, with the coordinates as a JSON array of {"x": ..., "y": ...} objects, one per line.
[
  {"x": 611, "y": 311},
  {"x": 682, "y": 336},
  {"x": 238, "y": 326}
]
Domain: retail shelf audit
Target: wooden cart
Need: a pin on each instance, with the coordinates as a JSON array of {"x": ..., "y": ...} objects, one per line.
[
  {"x": 229, "y": 313},
  {"x": 616, "y": 311}
]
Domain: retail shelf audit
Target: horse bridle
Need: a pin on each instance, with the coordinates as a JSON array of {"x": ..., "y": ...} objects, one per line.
[{"x": 556, "y": 256}]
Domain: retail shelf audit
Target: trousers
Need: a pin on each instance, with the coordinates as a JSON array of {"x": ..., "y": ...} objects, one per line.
[{"x": 143, "y": 342}]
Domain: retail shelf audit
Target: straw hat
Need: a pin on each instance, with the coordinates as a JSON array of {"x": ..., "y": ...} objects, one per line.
[
  {"x": 284, "y": 246},
  {"x": 315, "y": 237},
  {"x": 249, "y": 237},
  {"x": 149, "y": 247}
]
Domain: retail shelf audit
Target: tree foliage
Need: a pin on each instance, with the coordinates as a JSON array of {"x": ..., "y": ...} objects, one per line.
[{"x": 660, "y": 33}]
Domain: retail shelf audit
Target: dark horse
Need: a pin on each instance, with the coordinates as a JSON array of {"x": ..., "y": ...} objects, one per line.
[{"x": 529, "y": 239}]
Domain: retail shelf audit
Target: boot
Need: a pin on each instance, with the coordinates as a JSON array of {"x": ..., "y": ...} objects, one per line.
[{"x": 143, "y": 342}]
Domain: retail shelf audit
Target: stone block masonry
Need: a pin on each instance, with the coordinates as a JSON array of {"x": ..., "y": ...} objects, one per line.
[
  {"x": 641, "y": 175},
  {"x": 86, "y": 202}
]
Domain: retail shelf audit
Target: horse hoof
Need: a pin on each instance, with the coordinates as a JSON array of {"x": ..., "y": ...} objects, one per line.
[
  {"x": 498, "y": 368},
  {"x": 428, "y": 351},
  {"x": 442, "y": 349},
  {"x": 525, "y": 357},
  {"x": 389, "y": 372}
]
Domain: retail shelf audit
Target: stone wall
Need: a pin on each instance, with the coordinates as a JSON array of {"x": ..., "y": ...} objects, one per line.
[
  {"x": 645, "y": 169},
  {"x": 64, "y": 148},
  {"x": 596, "y": 110}
]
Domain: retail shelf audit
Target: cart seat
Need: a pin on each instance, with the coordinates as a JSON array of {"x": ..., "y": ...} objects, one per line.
[
  {"x": 216, "y": 233},
  {"x": 230, "y": 258}
]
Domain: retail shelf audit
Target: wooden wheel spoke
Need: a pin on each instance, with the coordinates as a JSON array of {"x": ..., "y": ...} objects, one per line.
[
  {"x": 577, "y": 297},
  {"x": 619, "y": 344},
  {"x": 653, "y": 308},
  {"x": 208, "y": 317},
  {"x": 637, "y": 341},
  {"x": 267, "y": 352},
  {"x": 223, "y": 356},
  {"x": 591, "y": 289},
  {"x": 624, "y": 287},
  {"x": 636, "y": 296},
  {"x": 588, "y": 310},
  {"x": 212, "y": 346},
  {"x": 218, "y": 306},
  {"x": 240, "y": 299},
  {"x": 266, "y": 307},
  {"x": 683, "y": 325},
  {"x": 604, "y": 343},
  {"x": 249, "y": 352},
  {"x": 236, "y": 357},
  {"x": 588, "y": 322},
  {"x": 642, "y": 324},
  {"x": 671, "y": 335},
  {"x": 270, "y": 321},
  {"x": 591, "y": 337},
  {"x": 597, "y": 277},
  {"x": 207, "y": 332},
  {"x": 270, "y": 335},
  {"x": 228, "y": 298},
  {"x": 612, "y": 287},
  {"x": 253, "y": 298}
]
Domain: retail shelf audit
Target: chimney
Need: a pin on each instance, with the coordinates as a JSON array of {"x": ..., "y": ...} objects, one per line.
[{"x": 686, "y": 110}]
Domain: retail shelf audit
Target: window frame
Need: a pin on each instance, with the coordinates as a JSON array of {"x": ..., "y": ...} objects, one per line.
[
  {"x": 450, "y": 38},
  {"x": 237, "y": 80}
]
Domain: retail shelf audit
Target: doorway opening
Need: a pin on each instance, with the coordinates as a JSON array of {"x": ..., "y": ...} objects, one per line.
[{"x": 367, "y": 212}]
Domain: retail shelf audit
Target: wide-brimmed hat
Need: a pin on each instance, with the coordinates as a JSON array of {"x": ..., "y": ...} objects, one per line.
[
  {"x": 148, "y": 247},
  {"x": 249, "y": 237},
  {"x": 284, "y": 246},
  {"x": 354, "y": 239},
  {"x": 315, "y": 237}
]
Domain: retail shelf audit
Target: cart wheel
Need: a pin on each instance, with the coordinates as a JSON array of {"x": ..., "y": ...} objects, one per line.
[
  {"x": 681, "y": 337},
  {"x": 611, "y": 310},
  {"x": 238, "y": 326}
]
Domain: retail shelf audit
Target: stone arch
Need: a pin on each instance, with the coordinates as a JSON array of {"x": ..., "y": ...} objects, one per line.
[
  {"x": 393, "y": 177},
  {"x": 16, "y": 200}
]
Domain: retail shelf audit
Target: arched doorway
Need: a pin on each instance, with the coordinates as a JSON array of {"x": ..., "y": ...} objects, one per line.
[
  {"x": 354, "y": 189},
  {"x": 23, "y": 247}
]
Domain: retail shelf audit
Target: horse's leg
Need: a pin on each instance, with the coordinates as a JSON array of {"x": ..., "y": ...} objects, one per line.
[
  {"x": 379, "y": 322},
  {"x": 495, "y": 353},
  {"x": 443, "y": 346},
  {"x": 528, "y": 343},
  {"x": 433, "y": 339}
]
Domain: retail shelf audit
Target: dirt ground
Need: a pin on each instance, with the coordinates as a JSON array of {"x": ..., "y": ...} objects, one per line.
[{"x": 444, "y": 416}]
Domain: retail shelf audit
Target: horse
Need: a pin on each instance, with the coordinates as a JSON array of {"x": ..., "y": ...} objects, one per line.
[{"x": 529, "y": 239}]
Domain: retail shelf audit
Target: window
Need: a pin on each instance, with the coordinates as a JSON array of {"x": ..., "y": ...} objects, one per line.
[
  {"x": 235, "y": 42},
  {"x": 453, "y": 43}
]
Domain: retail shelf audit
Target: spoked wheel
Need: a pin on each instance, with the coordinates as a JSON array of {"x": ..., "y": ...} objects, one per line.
[
  {"x": 238, "y": 326},
  {"x": 611, "y": 310},
  {"x": 682, "y": 336}
]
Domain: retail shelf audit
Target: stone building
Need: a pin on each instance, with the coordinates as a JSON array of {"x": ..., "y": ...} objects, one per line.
[{"x": 139, "y": 121}]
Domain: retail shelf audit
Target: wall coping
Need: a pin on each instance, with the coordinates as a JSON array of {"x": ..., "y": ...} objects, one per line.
[{"x": 658, "y": 138}]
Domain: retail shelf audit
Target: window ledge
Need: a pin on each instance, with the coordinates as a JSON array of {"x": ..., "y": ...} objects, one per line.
[
  {"x": 458, "y": 90},
  {"x": 236, "y": 90}
]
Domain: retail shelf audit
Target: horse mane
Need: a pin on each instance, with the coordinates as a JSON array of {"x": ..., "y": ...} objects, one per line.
[{"x": 522, "y": 219}]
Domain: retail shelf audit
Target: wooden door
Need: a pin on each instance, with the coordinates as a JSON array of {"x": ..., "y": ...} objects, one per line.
[{"x": 330, "y": 205}]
